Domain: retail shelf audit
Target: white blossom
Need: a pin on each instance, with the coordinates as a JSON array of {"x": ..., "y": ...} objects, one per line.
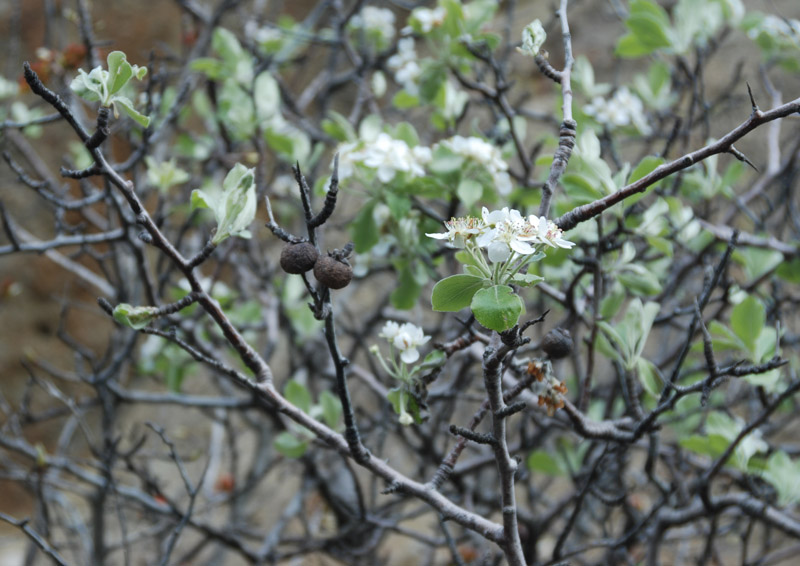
[
  {"x": 506, "y": 230},
  {"x": 459, "y": 230},
  {"x": 379, "y": 21},
  {"x": 386, "y": 155},
  {"x": 429, "y": 18},
  {"x": 623, "y": 109},
  {"x": 405, "y": 337},
  {"x": 405, "y": 66},
  {"x": 483, "y": 153},
  {"x": 548, "y": 233}
]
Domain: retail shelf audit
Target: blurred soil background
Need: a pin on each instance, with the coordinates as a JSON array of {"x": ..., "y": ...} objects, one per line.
[{"x": 33, "y": 289}]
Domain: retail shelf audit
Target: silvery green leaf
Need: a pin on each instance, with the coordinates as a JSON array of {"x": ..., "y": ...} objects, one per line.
[
  {"x": 90, "y": 86},
  {"x": 134, "y": 317},
  {"x": 125, "y": 103},
  {"x": 119, "y": 71},
  {"x": 533, "y": 37},
  {"x": 266, "y": 95},
  {"x": 235, "y": 209}
]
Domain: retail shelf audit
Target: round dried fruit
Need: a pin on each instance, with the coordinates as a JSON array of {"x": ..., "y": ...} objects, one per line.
[
  {"x": 332, "y": 273},
  {"x": 557, "y": 343},
  {"x": 298, "y": 258}
]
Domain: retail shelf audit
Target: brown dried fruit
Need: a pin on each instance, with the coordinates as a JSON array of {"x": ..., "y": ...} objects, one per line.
[
  {"x": 557, "y": 343},
  {"x": 298, "y": 258},
  {"x": 333, "y": 273}
]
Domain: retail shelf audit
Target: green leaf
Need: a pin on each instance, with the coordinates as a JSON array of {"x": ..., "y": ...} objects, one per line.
[
  {"x": 784, "y": 474},
  {"x": 526, "y": 279},
  {"x": 127, "y": 106},
  {"x": 406, "y": 132},
  {"x": 298, "y": 395},
  {"x": 612, "y": 303},
  {"x": 234, "y": 206},
  {"x": 134, "y": 317},
  {"x": 713, "y": 445},
  {"x": 747, "y": 320},
  {"x": 331, "y": 408},
  {"x": 469, "y": 191},
  {"x": 404, "y": 100},
  {"x": 444, "y": 161},
  {"x": 645, "y": 167},
  {"x": 497, "y": 307},
  {"x": 455, "y": 292},
  {"x": 649, "y": 31},
  {"x": 639, "y": 280},
  {"x": 289, "y": 446},
  {"x": 758, "y": 262},
  {"x": 405, "y": 295},
  {"x": 580, "y": 188},
  {"x": 364, "y": 230},
  {"x": 119, "y": 71},
  {"x": 431, "y": 79},
  {"x": 650, "y": 377},
  {"x": 370, "y": 127},
  {"x": 266, "y": 96},
  {"x": 630, "y": 47},
  {"x": 544, "y": 462},
  {"x": 338, "y": 127},
  {"x": 404, "y": 405}
]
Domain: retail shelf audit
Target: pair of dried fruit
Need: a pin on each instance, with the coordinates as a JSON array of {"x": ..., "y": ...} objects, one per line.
[{"x": 330, "y": 271}]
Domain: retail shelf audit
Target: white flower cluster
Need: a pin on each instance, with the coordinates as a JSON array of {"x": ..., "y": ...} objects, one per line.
[
  {"x": 7, "y": 88},
  {"x": 264, "y": 35},
  {"x": 502, "y": 231},
  {"x": 623, "y": 109},
  {"x": 484, "y": 153},
  {"x": 386, "y": 155},
  {"x": 377, "y": 21},
  {"x": 782, "y": 29},
  {"x": 405, "y": 66},
  {"x": 427, "y": 18},
  {"x": 405, "y": 337}
]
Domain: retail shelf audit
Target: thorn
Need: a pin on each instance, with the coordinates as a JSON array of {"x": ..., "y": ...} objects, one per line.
[
  {"x": 742, "y": 157},
  {"x": 752, "y": 99}
]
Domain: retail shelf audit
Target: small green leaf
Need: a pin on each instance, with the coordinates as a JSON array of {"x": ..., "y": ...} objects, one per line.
[
  {"x": 405, "y": 295},
  {"x": 134, "y": 317},
  {"x": 404, "y": 100},
  {"x": 404, "y": 406},
  {"x": 650, "y": 377},
  {"x": 789, "y": 271},
  {"x": 526, "y": 279},
  {"x": 289, "y": 446},
  {"x": 497, "y": 307},
  {"x": 444, "y": 161},
  {"x": 119, "y": 71},
  {"x": 266, "y": 96},
  {"x": 298, "y": 395},
  {"x": 544, "y": 462},
  {"x": 784, "y": 474},
  {"x": 125, "y": 103},
  {"x": 645, "y": 167},
  {"x": 338, "y": 127},
  {"x": 331, "y": 408},
  {"x": 469, "y": 191},
  {"x": 364, "y": 230},
  {"x": 747, "y": 320},
  {"x": 455, "y": 292},
  {"x": 533, "y": 37}
]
